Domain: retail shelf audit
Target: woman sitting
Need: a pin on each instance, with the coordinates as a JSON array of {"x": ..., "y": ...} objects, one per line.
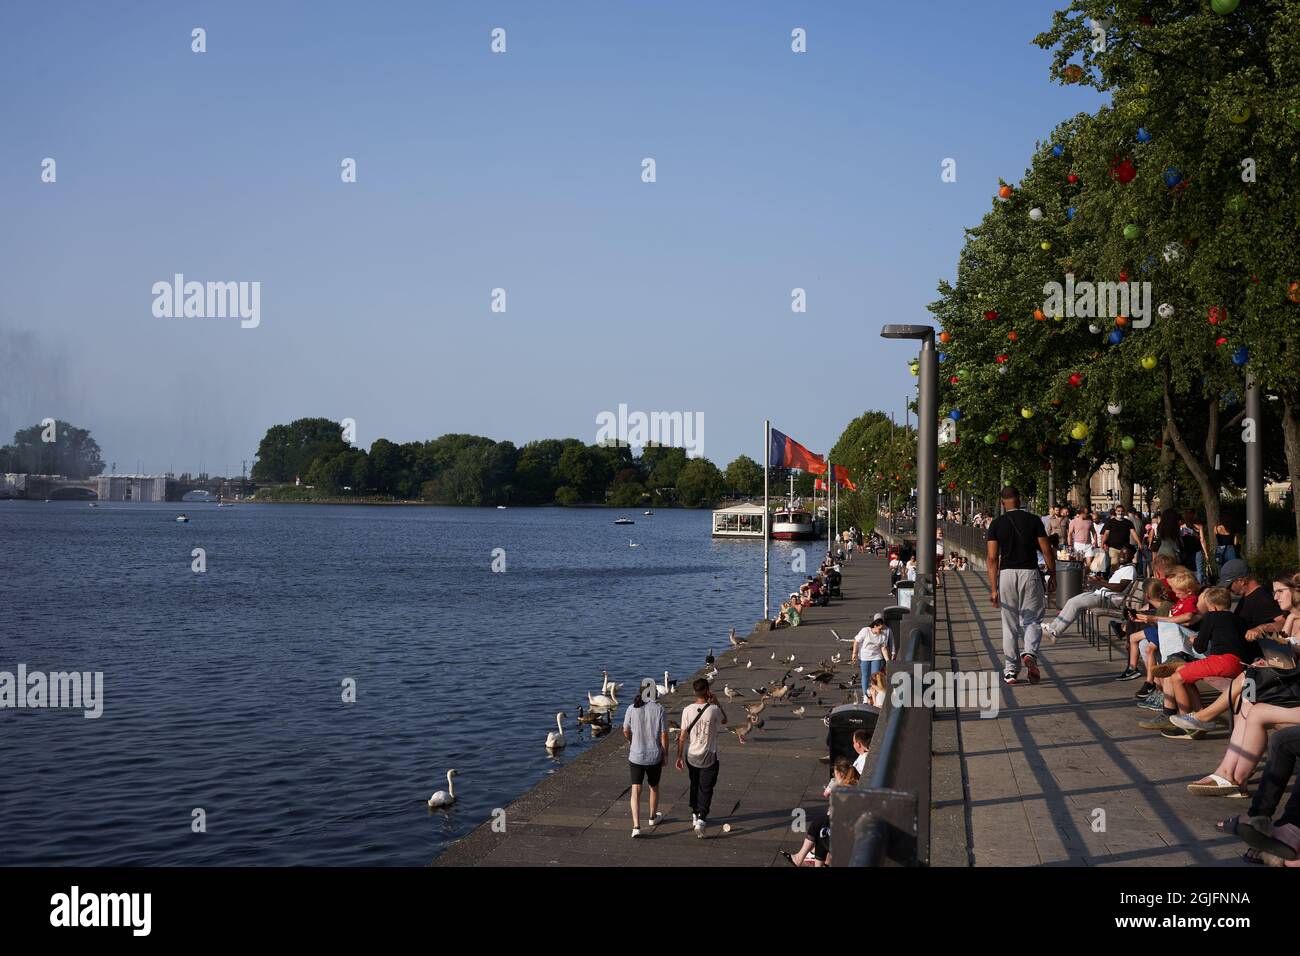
[
  {"x": 789, "y": 614},
  {"x": 816, "y": 849}
]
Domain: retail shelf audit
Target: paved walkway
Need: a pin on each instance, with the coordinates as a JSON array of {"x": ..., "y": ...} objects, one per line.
[
  {"x": 580, "y": 816},
  {"x": 1057, "y": 753}
]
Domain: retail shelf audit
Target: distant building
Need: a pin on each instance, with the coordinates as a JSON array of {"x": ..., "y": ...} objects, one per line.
[{"x": 132, "y": 487}]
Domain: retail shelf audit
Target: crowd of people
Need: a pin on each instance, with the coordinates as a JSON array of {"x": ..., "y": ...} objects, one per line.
[{"x": 1212, "y": 643}]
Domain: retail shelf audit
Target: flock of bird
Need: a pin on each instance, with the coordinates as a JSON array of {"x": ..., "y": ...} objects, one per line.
[{"x": 601, "y": 706}]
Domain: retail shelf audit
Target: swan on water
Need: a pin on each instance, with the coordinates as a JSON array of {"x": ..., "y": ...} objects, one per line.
[
  {"x": 603, "y": 701},
  {"x": 445, "y": 798},
  {"x": 555, "y": 739},
  {"x": 632, "y": 544}
]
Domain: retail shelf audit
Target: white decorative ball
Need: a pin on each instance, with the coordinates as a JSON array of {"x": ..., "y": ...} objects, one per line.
[
  {"x": 1114, "y": 408},
  {"x": 1035, "y": 214},
  {"x": 1094, "y": 328},
  {"x": 1166, "y": 310},
  {"x": 1173, "y": 250}
]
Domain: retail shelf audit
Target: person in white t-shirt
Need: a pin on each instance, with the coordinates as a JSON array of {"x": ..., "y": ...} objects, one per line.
[
  {"x": 871, "y": 650},
  {"x": 700, "y": 722},
  {"x": 1107, "y": 592}
]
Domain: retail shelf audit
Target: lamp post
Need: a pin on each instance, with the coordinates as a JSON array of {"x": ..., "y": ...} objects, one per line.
[
  {"x": 1254, "y": 474},
  {"x": 927, "y": 440}
]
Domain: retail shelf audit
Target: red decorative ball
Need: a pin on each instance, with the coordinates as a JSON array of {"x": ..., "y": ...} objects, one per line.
[
  {"x": 1076, "y": 379},
  {"x": 1002, "y": 358},
  {"x": 1072, "y": 179},
  {"x": 953, "y": 380},
  {"x": 1217, "y": 315},
  {"x": 1011, "y": 336},
  {"x": 991, "y": 314},
  {"x": 1122, "y": 170},
  {"x": 1123, "y": 276},
  {"x": 1220, "y": 342},
  {"x": 1004, "y": 437}
]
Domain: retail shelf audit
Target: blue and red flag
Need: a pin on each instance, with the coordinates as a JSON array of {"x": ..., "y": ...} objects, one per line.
[{"x": 785, "y": 452}]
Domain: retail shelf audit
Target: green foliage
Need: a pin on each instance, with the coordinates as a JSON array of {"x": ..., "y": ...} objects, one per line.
[
  {"x": 700, "y": 484},
  {"x": 73, "y": 453},
  {"x": 744, "y": 476}
]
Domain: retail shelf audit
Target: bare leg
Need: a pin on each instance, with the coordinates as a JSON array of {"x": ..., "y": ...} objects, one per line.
[
  {"x": 1254, "y": 739},
  {"x": 654, "y": 802},
  {"x": 636, "y": 806},
  {"x": 803, "y": 852}
]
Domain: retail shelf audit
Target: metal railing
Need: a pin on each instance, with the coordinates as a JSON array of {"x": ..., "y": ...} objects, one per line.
[{"x": 884, "y": 821}]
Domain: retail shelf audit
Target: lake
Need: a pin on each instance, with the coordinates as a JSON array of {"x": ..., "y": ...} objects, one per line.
[{"x": 223, "y": 691}]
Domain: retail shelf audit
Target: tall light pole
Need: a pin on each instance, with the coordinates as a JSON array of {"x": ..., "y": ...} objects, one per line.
[
  {"x": 1254, "y": 472},
  {"x": 927, "y": 440}
]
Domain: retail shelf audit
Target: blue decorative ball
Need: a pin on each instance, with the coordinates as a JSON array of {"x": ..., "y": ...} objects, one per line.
[
  {"x": 1173, "y": 176},
  {"x": 1069, "y": 214},
  {"x": 1142, "y": 135},
  {"x": 1115, "y": 337},
  {"x": 1058, "y": 150},
  {"x": 943, "y": 356},
  {"x": 955, "y": 414},
  {"x": 1241, "y": 356}
]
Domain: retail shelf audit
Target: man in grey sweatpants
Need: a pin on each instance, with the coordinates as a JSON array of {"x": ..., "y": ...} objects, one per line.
[{"x": 1016, "y": 585}]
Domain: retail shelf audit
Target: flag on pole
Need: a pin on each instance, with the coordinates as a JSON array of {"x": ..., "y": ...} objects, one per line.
[
  {"x": 785, "y": 452},
  {"x": 819, "y": 484},
  {"x": 842, "y": 478}
]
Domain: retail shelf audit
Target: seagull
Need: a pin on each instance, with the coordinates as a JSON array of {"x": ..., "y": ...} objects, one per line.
[
  {"x": 748, "y": 664},
  {"x": 773, "y": 657},
  {"x": 731, "y": 693},
  {"x": 842, "y": 640},
  {"x": 799, "y": 711},
  {"x": 799, "y": 669},
  {"x": 711, "y": 674}
]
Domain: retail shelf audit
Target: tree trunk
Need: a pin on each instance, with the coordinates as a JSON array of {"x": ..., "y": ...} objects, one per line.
[
  {"x": 1206, "y": 480},
  {"x": 1166, "y": 490},
  {"x": 1291, "y": 441},
  {"x": 1083, "y": 491},
  {"x": 1125, "y": 468}
]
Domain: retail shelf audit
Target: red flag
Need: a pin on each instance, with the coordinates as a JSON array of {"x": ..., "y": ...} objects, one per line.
[{"x": 785, "y": 452}]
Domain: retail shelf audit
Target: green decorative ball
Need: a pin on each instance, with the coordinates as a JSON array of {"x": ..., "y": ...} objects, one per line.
[
  {"x": 990, "y": 439},
  {"x": 1132, "y": 231},
  {"x": 1223, "y": 7},
  {"x": 1127, "y": 443}
]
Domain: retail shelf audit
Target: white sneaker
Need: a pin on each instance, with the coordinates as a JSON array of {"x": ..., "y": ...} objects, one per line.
[
  {"x": 655, "y": 820},
  {"x": 695, "y": 820},
  {"x": 699, "y": 829},
  {"x": 636, "y": 832},
  {"x": 1049, "y": 633}
]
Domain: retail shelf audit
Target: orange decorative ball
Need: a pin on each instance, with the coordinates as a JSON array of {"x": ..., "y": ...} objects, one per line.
[
  {"x": 1121, "y": 320},
  {"x": 1293, "y": 293},
  {"x": 945, "y": 337},
  {"x": 1011, "y": 336},
  {"x": 1005, "y": 192},
  {"x": 1038, "y": 315}
]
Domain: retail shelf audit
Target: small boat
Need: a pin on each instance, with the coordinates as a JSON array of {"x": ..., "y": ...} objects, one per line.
[
  {"x": 624, "y": 521},
  {"x": 501, "y": 507},
  {"x": 182, "y": 518},
  {"x": 93, "y": 505},
  {"x": 647, "y": 513}
]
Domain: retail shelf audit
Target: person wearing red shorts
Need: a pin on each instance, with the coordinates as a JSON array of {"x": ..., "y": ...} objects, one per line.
[{"x": 1222, "y": 639}]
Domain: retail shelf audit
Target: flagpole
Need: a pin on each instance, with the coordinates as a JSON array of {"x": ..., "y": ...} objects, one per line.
[
  {"x": 830, "y": 475},
  {"x": 767, "y": 533}
]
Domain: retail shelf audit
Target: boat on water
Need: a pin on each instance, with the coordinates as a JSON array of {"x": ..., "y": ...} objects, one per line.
[
  {"x": 501, "y": 507},
  {"x": 624, "y": 521},
  {"x": 794, "y": 524},
  {"x": 182, "y": 518},
  {"x": 739, "y": 521},
  {"x": 647, "y": 513}
]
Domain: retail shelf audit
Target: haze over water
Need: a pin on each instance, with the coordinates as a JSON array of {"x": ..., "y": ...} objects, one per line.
[{"x": 223, "y": 690}]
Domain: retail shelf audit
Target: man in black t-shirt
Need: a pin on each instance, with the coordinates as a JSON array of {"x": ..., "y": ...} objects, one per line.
[
  {"x": 1117, "y": 532},
  {"x": 1016, "y": 585}
]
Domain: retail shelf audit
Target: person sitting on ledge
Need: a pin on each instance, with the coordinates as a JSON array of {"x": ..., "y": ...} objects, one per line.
[
  {"x": 1222, "y": 639},
  {"x": 816, "y": 849},
  {"x": 1280, "y": 838},
  {"x": 1108, "y": 593},
  {"x": 1141, "y": 652},
  {"x": 789, "y": 614}
]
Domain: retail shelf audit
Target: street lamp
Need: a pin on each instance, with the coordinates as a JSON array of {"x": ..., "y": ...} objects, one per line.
[{"x": 927, "y": 440}]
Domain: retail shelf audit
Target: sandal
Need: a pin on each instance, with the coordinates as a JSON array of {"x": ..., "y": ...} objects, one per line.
[
  {"x": 789, "y": 859},
  {"x": 1221, "y": 787}
]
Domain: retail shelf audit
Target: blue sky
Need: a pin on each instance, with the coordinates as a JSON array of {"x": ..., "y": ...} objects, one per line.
[{"x": 476, "y": 170}]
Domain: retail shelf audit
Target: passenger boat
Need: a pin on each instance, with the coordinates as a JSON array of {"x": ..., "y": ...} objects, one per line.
[
  {"x": 624, "y": 521},
  {"x": 792, "y": 522},
  {"x": 739, "y": 521}
]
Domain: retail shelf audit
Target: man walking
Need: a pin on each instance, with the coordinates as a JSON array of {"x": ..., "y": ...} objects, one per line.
[
  {"x": 1082, "y": 535},
  {"x": 700, "y": 721},
  {"x": 1016, "y": 585}
]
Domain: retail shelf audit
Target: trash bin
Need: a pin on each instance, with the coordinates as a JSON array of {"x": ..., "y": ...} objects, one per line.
[
  {"x": 903, "y": 592},
  {"x": 1069, "y": 581},
  {"x": 843, "y": 721}
]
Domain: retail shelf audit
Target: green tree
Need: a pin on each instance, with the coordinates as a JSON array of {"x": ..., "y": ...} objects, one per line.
[
  {"x": 744, "y": 476},
  {"x": 700, "y": 483},
  {"x": 286, "y": 452},
  {"x": 72, "y": 452}
]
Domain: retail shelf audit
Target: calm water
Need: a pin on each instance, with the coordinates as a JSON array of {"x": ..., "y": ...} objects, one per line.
[{"x": 222, "y": 691}]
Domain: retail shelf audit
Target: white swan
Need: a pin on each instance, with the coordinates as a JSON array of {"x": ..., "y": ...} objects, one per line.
[
  {"x": 665, "y": 687},
  {"x": 555, "y": 739},
  {"x": 603, "y": 701},
  {"x": 445, "y": 798},
  {"x": 630, "y": 544}
]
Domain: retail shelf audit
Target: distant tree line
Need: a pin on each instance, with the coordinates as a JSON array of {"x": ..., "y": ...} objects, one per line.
[
  {"x": 52, "y": 448},
  {"x": 473, "y": 470}
]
